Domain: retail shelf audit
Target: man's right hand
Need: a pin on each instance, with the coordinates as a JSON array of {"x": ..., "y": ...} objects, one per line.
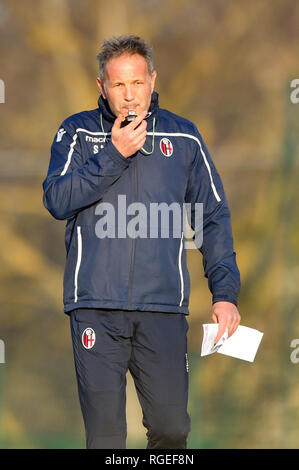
[{"x": 129, "y": 139}]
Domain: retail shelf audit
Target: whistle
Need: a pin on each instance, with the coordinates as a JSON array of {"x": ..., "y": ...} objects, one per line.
[
  {"x": 131, "y": 115},
  {"x": 129, "y": 118}
]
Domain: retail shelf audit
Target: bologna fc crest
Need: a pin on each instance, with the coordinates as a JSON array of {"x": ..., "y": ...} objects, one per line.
[
  {"x": 88, "y": 338},
  {"x": 166, "y": 147}
]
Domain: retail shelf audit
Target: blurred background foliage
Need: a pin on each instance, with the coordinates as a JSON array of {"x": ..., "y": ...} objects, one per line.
[{"x": 227, "y": 66}]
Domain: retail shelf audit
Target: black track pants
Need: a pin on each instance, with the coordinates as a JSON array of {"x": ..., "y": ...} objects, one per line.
[{"x": 153, "y": 346}]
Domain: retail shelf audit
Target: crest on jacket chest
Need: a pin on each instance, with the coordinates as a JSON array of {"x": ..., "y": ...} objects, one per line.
[{"x": 166, "y": 147}]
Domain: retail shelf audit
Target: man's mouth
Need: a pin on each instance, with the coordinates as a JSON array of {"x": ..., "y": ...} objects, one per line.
[{"x": 132, "y": 107}]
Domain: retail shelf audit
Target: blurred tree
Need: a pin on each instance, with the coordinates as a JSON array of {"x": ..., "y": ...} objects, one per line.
[{"x": 223, "y": 65}]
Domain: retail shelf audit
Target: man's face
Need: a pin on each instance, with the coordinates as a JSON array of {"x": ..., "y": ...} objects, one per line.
[{"x": 127, "y": 84}]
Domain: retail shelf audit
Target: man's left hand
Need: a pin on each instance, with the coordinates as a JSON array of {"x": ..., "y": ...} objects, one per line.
[{"x": 227, "y": 315}]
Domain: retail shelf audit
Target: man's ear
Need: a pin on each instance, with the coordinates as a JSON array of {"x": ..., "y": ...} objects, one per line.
[
  {"x": 101, "y": 87},
  {"x": 153, "y": 79}
]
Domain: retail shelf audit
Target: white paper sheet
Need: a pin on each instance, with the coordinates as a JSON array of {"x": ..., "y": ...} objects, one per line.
[{"x": 243, "y": 344}]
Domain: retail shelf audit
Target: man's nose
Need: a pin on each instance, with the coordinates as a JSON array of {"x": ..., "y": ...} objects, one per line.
[{"x": 129, "y": 96}]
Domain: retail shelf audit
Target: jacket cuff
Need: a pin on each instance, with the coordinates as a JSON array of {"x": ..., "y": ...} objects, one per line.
[
  {"x": 225, "y": 298},
  {"x": 112, "y": 151}
]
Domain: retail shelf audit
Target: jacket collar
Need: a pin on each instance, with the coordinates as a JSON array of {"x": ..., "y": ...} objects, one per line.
[{"x": 108, "y": 115}]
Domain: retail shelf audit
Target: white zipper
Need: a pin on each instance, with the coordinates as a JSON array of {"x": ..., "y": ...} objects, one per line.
[
  {"x": 79, "y": 257},
  {"x": 180, "y": 270}
]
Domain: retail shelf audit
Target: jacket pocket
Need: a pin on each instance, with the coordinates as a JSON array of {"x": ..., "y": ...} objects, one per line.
[
  {"x": 181, "y": 293},
  {"x": 78, "y": 263}
]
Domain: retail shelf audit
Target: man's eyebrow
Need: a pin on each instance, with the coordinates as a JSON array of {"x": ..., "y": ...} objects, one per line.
[{"x": 134, "y": 80}]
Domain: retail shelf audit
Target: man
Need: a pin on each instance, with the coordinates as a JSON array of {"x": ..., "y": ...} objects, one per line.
[{"x": 127, "y": 296}]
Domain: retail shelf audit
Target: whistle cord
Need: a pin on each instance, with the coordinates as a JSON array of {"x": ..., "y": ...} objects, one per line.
[{"x": 146, "y": 152}]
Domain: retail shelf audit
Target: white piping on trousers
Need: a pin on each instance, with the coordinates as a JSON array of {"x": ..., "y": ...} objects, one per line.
[
  {"x": 180, "y": 269},
  {"x": 79, "y": 257}
]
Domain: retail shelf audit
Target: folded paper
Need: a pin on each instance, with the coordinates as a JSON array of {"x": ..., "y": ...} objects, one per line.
[{"x": 242, "y": 344}]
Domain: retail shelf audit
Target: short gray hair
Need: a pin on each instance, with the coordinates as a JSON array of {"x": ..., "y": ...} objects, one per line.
[{"x": 127, "y": 44}]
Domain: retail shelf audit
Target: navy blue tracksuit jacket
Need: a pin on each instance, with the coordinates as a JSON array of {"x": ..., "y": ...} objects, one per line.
[{"x": 141, "y": 273}]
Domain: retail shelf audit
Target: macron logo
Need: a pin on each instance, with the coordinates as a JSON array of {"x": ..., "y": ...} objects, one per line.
[{"x": 94, "y": 139}]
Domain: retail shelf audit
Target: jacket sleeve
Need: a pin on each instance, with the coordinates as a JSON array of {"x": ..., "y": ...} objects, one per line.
[
  {"x": 219, "y": 258},
  {"x": 71, "y": 184}
]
